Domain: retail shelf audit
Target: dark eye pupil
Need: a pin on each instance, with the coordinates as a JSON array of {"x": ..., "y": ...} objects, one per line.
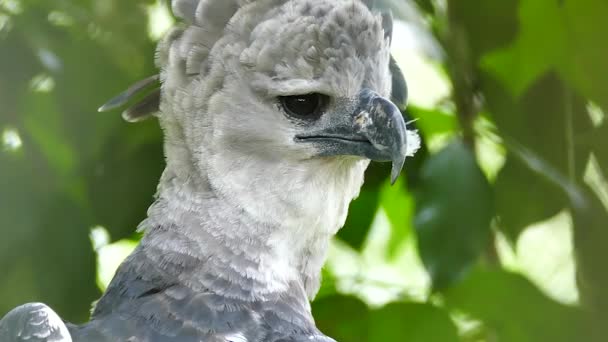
[{"x": 307, "y": 106}]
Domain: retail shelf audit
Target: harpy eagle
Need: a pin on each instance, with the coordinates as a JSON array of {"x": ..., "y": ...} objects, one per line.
[{"x": 271, "y": 112}]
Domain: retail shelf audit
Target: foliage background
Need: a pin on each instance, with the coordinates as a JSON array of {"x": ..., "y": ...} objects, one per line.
[{"x": 497, "y": 232}]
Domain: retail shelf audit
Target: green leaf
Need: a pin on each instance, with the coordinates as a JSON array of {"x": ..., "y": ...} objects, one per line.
[
  {"x": 471, "y": 36},
  {"x": 425, "y": 5},
  {"x": 45, "y": 215},
  {"x": 590, "y": 236},
  {"x": 344, "y": 318},
  {"x": 513, "y": 309},
  {"x": 328, "y": 284},
  {"x": 42, "y": 122},
  {"x": 523, "y": 198},
  {"x": 538, "y": 48},
  {"x": 398, "y": 205},
  {"x": 45, "y": 252},
  {"x": 599, "y": 143},
  {"x": 434, "y": 122},
  {"x": 411, "y": 322},
  {"x": 560, "y": 35},
  {"x": 361, "y": 214},
  {"x": 131, "y": 161},
  {"x": 587, "y": 68},
  {"x": 453, "y": 212},
  {"x": 540, "y": 121}
]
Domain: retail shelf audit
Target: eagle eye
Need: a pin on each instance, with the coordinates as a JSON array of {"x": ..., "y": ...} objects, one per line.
[{"x": 308, "y": 106}]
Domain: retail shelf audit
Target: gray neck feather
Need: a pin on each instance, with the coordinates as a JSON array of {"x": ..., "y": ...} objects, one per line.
[
  {"x": 231, "y": 243},
  {"x": 262, "y": 231}
]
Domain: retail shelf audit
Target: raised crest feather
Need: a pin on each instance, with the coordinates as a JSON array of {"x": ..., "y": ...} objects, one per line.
[{"x": 142, "y": 109}]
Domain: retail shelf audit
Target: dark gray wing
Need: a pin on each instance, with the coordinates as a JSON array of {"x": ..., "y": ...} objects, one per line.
[
  {"x": 175, "y": 314},
  {"x": 178, "y": 314},
  {"x": 33, "y": 322},
  {"x": 146, "y": 302}
]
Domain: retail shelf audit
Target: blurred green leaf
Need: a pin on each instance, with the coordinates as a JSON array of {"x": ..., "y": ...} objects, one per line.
[
  {"x": 478, "y": 27},
  {"x": 434, "y": 122},
  {"x": 587, "y": 67},
  {"x": 43, "y": 123},
  {"x": 45, "y": 232},
  {"x": 523, "y": 197},
  {"x": 564, "y": 38},
  {"x": 536, "y": 50},
  {"x": 328, "y": 284},
  {"x": 514, "y": 309},
  {"x": 543, "y": 120},
  {"x": 590, "y": 237},
  {"x": 599, "y": 143},
  {"x": 425, "y": 5},
  {"x": 132, "y": 161},
  {"x": 453, "y": 212},
  {"x": 18, "y": 66},
  {"x": 73, "y": 291},
  {"x": 398, "y": 205},
  {"x": 361, "y": 214},
  {"x": 412, "y": 322},
  {"x": 45, "y": 213},
  {"x": 343, "y": 318},
  {"x": 590, "y": 233}
]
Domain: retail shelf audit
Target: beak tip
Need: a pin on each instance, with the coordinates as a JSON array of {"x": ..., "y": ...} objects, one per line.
[
  {"x": 394, "y": 179},
  {"x": 396, "y": 170}
]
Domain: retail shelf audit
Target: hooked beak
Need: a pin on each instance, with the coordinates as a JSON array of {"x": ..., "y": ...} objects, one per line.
[{"x": 374, "y": 130}]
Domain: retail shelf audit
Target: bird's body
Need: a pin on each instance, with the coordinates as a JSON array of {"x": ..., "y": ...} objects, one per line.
[
  {"x": 253, "y": 190},
  {"x": 193, "y": 279}
]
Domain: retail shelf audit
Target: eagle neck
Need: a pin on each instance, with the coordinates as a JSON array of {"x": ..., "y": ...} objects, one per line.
[{"x": 240, "y": 256}]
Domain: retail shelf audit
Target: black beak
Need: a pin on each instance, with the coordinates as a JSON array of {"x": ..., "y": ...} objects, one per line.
[{"x": 375, "y": 130}]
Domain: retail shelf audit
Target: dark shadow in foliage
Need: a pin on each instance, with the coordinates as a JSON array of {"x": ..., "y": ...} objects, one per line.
[
  {"x": 344, "y": 318},
  {"x": 412, "y": 322},
  {"x": 45, "y": 253},
  {"x": 361, "y": 213},
  {"x": 590, "y": 238},
  {"x": 513, "y": 309},
  {"x": 348, "y": 319},
  {"x": 45, "y": 207},
  {"x": 590, "y": 235},
  {"x": 470, "y": 20},
  {"x": 123, "y": 182},
  {"x": 453, "y": 213},
  {"x": 538, "y": 121}
]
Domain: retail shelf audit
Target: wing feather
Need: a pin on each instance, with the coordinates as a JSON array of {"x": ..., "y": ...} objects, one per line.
[{"x": 33, "y": 322}]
